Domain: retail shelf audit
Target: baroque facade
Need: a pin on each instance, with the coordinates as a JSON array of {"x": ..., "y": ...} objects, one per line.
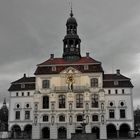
[{"x": 68, "y": 91}]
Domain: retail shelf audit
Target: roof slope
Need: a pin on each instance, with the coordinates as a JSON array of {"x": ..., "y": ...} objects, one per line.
[
  {"x": 122, "y": 81},
  {"x": 61, "y": 61},
  {"x": 29, "y": 84}
]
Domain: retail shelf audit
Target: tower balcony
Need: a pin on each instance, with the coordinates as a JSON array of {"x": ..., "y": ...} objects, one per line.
[{"x": 76, "y": 89}]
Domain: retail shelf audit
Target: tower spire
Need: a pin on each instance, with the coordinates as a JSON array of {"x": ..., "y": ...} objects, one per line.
[{"x": 71, "y": 10}]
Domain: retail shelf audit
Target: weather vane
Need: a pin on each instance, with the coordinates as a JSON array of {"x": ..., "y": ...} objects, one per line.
[{"x": 70, "y": 4}]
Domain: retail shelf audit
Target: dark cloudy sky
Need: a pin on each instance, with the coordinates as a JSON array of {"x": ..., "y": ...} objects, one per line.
[{"x": 32, "y": 29}]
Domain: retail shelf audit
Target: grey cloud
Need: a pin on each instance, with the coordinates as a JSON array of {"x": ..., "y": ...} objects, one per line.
[{"x": 32, "y": 29}]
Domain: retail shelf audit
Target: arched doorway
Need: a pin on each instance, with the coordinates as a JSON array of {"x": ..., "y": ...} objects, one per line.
[
  {"x": 62, "y": 133},
  {"x": 46, "y": 133},
  {"x": 111, "y": 131},
  {"x": 124, "y": 130},
  {"x": 78, "y": 130},
  {"x": 16, "y": 132},
  {"x": 28, "y": 131},
  {"x": 96, "y": 131}
]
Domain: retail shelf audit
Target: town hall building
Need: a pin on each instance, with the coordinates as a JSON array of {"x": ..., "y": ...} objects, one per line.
[{"x": 69, "y": 91}]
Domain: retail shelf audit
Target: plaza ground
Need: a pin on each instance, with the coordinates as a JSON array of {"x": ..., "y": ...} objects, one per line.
[{"x": 137, "y": 138}]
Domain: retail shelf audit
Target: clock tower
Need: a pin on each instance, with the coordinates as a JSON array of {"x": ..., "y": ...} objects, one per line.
[{"x": 71, "y": 41}]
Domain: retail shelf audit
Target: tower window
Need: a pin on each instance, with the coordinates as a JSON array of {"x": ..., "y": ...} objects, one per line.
[
  {"x": 22, "y": 93},
  {"x": 45, "y": 84},
  {"x": 116, "y": 91},
  {"x": 16, "y": 93}
]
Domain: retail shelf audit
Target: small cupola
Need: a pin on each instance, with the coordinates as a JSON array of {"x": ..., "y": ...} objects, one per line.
[{"x": 71, "y": 41}]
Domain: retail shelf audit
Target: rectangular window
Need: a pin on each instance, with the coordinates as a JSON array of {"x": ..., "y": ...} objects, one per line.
[
  {"x": 17, "y": 94},
  {"x": 45, "y": 118},
  {"x": 122, "y": 113},
  {"x": 22, "y": 93},
  {"x": 109, "y": 91},
  {"x": 94, "y": 82},
  {"x": 45, "y": 84},
  {"x": 111, "y": 113},
  {"x": 116, "y": 91},
  {"x": 28, "y": 93},
  {"x": 17, "y": 115},
  {"x": 122, "y": 91},
  {"x": 27, "y": 115}
]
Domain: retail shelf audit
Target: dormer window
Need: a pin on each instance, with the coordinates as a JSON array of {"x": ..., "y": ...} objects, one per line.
[
  {"x": 54, "y": 68},
  {"x": 116, "y": 83},
  {"x": 85, "y": 67},
  {"x": 22, "y": 85}
]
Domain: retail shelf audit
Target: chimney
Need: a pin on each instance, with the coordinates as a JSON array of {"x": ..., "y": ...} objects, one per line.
[
  {"x": 52, "y": 56},
  {"x": 87, "y": 54},
  {"x": 118, "y": 71},
  {"x": 24, "y": 75}
]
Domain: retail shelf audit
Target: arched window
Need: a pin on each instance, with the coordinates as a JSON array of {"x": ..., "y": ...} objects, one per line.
[
  {"x": 94, "y": 101},
  {"x": 61, "y": 118},
  {"x": 46, "y": 84},
  {"x": 45, "y": 118},
  {"x": 94, "y": 117},
  {"x": 79, "y": 101},
  {"x": 45, "y": 102},
  {"x": 62, "y": 101},
  {"x": 94, "y": 82}
]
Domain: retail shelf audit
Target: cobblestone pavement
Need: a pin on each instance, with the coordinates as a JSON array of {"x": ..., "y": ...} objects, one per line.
[{"x": 137, "y": 138}]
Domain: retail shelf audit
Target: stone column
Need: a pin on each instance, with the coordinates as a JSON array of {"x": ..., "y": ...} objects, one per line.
[
  {"x": 53, "y": 131},
  {"x": 103, "y": 132},
  {"x": 70, "y": 130},
  {"x": 36, "y": 131}
]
